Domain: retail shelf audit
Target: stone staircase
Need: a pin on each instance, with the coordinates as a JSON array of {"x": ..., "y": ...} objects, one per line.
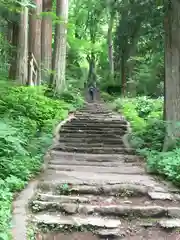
[{"x": 95, "y": 188}]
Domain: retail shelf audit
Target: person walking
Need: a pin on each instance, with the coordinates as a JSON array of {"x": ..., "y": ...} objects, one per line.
[{"x": 91, "y": 92}]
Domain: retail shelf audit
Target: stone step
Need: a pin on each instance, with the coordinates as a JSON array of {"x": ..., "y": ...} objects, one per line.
[
  {"x": 124, "y": 189},
  {"x": 144, "y": 230},
  {"x": 96, "y": 144},
  {"x": 158, "y": 198},
  {"x": 96, "y": 224},
  {"x": 102, "y": 150},
  {"x": 95, "y": 110},
  {"x": 59, "y": 163},
  {"x": 92, "y": 140},
  {"x": 94, "y": 128},
  {"x": 94, "y": 107},
  {"x": 50, "y": 221},
  {"x": 98, "y": 121},
  {"x": 92, "y": 114},
  {"x": 107, "y": 209},
  {"x": 86, "y": 157},
  {"x": 100, "y": 182},
  {"x": 107, "y": 131},
  {"x": 99, "y": 135},
  {"x": 98, "y": 168},
  {"x": 49, "y": 197},
  {"x": 95, "y": 125},
  {"x": 75, "y": 235}
]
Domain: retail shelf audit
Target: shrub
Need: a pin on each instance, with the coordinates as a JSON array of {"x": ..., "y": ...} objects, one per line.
[
  {"x": 145, "y": 106},
  {"x": 166, "y": 164},
  {"x": 31, "y": 102},
  {"x": 107, "y": 97},
  {"x": 145, "y": 116},
  {"x": 72, "y": 97},
  {"x": 5, "y": 210},
  {"x": 129, "y": 110}
]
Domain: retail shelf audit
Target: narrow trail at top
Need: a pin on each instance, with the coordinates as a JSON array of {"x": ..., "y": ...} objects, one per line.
[{"x": 95, "y": 188}]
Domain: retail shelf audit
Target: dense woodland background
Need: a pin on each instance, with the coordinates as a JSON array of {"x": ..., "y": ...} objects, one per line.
[{"x": 50, "y": 51}]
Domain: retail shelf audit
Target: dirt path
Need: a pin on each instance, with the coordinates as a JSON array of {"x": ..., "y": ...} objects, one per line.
[
  {"x": 20, "y": 218},
  {"x": 95, "y": 188}
]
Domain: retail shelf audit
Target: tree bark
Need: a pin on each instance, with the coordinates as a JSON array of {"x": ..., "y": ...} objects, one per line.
[
  {"x": 92, "y": 68},
  {"x": 13, "y": 54},
  {"x": 10, "y": 32},
  {"x": 131, "y": 84},
  {"x": 123, "y": 75},
  {"x": 46, "y": 42},
  {"x": 22, "y": 56},
  {"x": 59, "y": 55},
  {"x": 172, "y": 74},
  {"x": 110, "y": 45},
  {"x": 35, "y": 33}
]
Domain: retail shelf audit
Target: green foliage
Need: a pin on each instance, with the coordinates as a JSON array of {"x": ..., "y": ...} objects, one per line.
[
  {"x": 72, "y": 96},
  {"x": 139, "y": 46},
  {"x": 146, "y": 106},
  {"x": 31, "y": 103},
  {"x": 148, "y": 73},
  {"x": 148, "y": 132},
  {"x": 145, "y": 116},
  {"x": 5, "y": 47},
  {"x": 5, "y": 210},
  {"x": 166, "y": 164},
  {"x": 129, "y": 110},
  {"x": 27, "y": 120},
  {"x": 107, "y": 97}
]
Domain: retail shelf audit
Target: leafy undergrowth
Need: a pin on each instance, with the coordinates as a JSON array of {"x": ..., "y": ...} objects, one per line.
[
  {"x": 146, "y": 118},
  {"x": 27, "y": 120},
  {"x": 148, "y": 132}
]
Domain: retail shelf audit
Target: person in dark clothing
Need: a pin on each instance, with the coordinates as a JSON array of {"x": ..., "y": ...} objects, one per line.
[{"x": 91, "y": 92}]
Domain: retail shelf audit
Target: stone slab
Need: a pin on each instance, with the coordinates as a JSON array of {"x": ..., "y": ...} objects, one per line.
[
  {"x": 99, "y": 169},
  {"x": 77, "y": 221},
  {"x": 160, "y": 196},
  {"x": 170, "y": 223}
]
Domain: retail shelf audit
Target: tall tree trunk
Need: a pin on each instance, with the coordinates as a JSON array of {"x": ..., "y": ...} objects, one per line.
[
  {"x": 166, "y": 46},
  {"x": 35, "y": 33},
  {"x": 13, "y": 54},
  {"x": 110, "y": 45},
  {"x": 46, "y": 41},
  {"x": 92, "y": 69},
  {"x": 59, "y": 55},
  {"x": 123, "y": 74},
  {"x": 172, "y": 74},
  {"x": 10, "y": 32},
  {"x": 22, "y": 55},
  {"x": 131, "y": 84}
]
